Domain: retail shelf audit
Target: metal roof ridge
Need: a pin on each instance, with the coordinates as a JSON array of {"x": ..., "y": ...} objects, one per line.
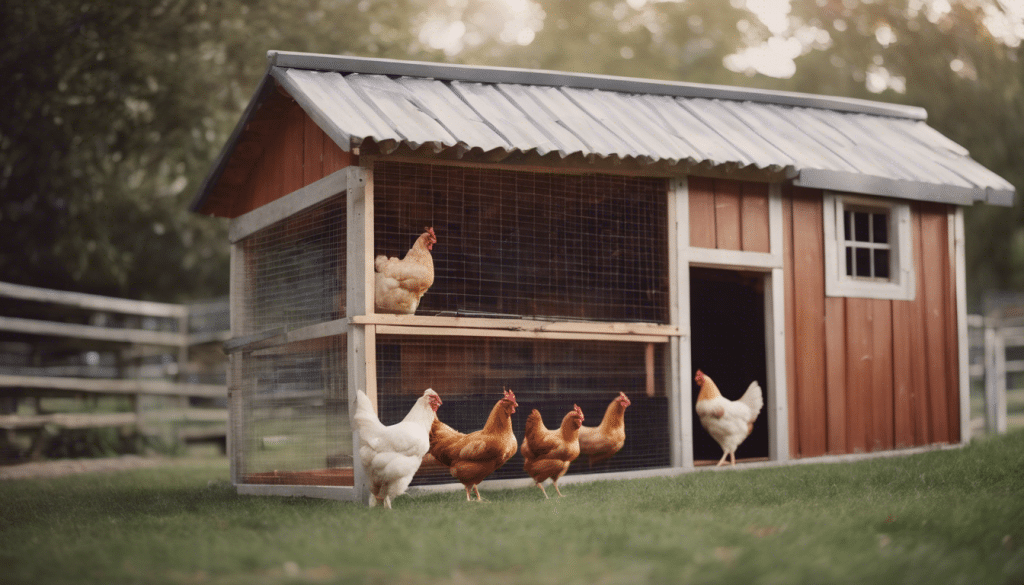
[{"x": 512, "y": 75}]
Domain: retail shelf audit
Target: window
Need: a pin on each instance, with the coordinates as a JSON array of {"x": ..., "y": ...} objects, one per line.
[{"x": 867, "y": 248}]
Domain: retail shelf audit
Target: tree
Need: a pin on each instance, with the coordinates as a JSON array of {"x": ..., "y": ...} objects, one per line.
[
  {"x": 956, "y": 65},
  {"x": 683, "y": 41},
  {"x": 114, "y": 113}
]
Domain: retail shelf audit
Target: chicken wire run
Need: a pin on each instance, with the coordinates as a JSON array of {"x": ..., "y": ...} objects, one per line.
[
  {"x": 296, "y": 269},
  {"x": 294, "y": 420},
  {"x": 470, "y": 373},
  {"x": 291, "y": 423},
  {"x": 511, "y": 244},
  {"x": 516, "y": 243}
]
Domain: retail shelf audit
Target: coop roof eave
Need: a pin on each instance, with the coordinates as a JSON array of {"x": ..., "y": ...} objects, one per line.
[{"x": 827, "y": 142}]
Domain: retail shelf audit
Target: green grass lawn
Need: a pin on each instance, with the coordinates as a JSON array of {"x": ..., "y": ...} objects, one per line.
[{"x": 953, "y": 516}]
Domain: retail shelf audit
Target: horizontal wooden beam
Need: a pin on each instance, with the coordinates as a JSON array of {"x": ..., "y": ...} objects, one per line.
[
  {"x": 514, "y": 333},
  {"x": 56, "y": 329},
  {"x": 263, "y": 217},
  {"x": 344, "y": 493},
  {"x": 108, "y": 386},
  {"x": 520, "y": 325},
  {"x": 94, "y": 302},
  {"x": 69, "y": 421},
  {"x": 734, "y": 259},
  {"x": 278, "y": 336},
  {"x": 185, "y": 415},
  {"x": 461, "y": 327}
]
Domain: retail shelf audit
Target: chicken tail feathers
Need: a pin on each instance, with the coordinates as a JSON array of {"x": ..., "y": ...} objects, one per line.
[
  {"x": 534, "y": 423},
  {"x": 754, "y": 399},
  {"x": 365, "y": 418}
]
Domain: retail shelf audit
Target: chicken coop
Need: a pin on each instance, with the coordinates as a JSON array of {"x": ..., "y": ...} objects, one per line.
[{"x": 595, "y": 235}]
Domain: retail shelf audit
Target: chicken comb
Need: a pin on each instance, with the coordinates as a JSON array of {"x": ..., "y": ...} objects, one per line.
[
  {"x": 510, "y": 396},
  {"x": 624, "y": 398},
  {"x": 578, "y": 410},
  {"x": 430, "y": 231}
]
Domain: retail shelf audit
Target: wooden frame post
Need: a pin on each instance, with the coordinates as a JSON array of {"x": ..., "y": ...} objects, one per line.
[
  {"x": 775, "y": 334},
  {"x": 679, "y": 390},
  {"x": 238, "y": 319},
  {"x": 995, "y": 375},
  {"x": 361, "y": 354},
  {"x": 963, "y": 336}
]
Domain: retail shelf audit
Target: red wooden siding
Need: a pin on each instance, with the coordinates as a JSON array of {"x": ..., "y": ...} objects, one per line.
[
  {"x": 728, "y": 214},
  {"x": 806, "y": 269},
  {"x": 869, "y": 374},
  {"x": 294, "y": 153},
  {"x": 790, "y": 319}
]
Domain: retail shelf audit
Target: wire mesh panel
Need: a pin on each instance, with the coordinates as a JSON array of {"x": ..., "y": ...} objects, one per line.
[
  {"x": 295, "y": 269},
  {"x": 295, "y": 423},
  {"x": 549, "y": 375},
  {"x": 514, "y": 243}
]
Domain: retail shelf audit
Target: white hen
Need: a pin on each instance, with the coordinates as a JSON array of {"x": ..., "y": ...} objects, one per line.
[
  {"x": 392, "y": 454},
  {"x": 727, "y": 421}
]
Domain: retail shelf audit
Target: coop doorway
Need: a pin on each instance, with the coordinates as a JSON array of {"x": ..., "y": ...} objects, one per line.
[{"x": 727, "y": 327}]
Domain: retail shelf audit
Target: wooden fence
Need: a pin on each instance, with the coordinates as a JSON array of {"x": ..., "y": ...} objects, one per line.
[
  {"x": 997, "y": 371},
  {"x": 71, "y": 361}
]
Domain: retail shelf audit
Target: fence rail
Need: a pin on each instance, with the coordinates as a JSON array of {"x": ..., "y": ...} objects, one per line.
[
  {"x": 996, "y": 362},
  {"x": 159, "y": 367},
  {"x": 167, "y": 361}
]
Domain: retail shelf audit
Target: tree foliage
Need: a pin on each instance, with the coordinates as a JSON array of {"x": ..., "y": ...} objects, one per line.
[
  {"x": 115, "y": 111},
  {"x": 956, "y": 65},
  {"x": 114, "y": 114}
]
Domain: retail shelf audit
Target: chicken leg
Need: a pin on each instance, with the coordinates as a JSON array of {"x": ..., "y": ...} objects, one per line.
[
  {"x": 545, "y": 492},
  {"x": 730, "y": 455}
]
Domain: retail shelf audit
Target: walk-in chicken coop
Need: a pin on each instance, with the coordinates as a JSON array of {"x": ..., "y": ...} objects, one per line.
[{"x": 586, "y": 236}]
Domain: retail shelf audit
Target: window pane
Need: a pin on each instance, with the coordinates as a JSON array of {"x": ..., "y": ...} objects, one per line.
[
  {"x": 847, "y": 218},
  {"x": 861, "y": 231},
  {"x": 882, "y": 263},
  {"x": 880, "y": 227},
  {"x": 849, "y": 261},
  {"x": 863, "y": 256}
]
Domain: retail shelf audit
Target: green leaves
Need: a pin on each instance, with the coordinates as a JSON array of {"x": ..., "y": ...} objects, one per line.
[{"x": 114, "y": 112}]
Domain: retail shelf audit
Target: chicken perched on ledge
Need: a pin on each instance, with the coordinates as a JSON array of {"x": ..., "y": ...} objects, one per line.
[
  {"x": 548, "y": 453},
  {"x": 392, "y": 454},
  {"x": 472, "y": 457},
  {"x": 400, "y": 284},
  {"x": 729, "y": 422},
  {"x": 601, "y": 442}
]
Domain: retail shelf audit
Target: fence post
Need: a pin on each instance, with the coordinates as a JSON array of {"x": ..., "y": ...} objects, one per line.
[{"x": 995, "y": 376}]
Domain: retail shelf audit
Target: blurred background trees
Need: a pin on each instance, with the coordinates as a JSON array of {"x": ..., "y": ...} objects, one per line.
[{"x": 115, "y": 111}]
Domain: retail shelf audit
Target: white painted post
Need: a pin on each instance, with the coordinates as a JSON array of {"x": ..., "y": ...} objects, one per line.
[
  {"x": 240, "y": 325},
  {"x": 775, "y": 333},
  {"x": 963, "y": 333},
  {"x": 995, "y": 376},
  {"x": 679, "y": 394},
  {"x": 359, "y": 301}
]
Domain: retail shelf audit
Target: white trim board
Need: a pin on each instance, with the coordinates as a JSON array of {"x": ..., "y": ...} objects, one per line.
[
  {"x": 956, "y": 221},
  {"x": 902, "y": 285},
  {"x": 327, "y": 492},
  {"x": 679, "y": 363},
  {"x": 282, "y": 208}
]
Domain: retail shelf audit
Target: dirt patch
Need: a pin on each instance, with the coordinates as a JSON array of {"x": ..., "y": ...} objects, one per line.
[{"x": 49, "y": 469}]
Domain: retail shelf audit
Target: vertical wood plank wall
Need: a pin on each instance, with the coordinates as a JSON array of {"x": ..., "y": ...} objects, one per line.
[
  {"x": 869, "y": 374},
  {"x": 863, "y": 374},
  {"x": 728, "y": 214},
  {"x": 296, "y": 152}
]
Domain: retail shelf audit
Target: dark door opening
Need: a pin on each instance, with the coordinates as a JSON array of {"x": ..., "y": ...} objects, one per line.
[{"x": 727, "y": 326}]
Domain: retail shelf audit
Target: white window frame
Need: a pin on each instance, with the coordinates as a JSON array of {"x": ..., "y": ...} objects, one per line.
[{"x": 901, "y": 284}]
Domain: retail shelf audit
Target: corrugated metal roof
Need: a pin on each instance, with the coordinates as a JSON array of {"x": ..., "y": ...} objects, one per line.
[{"x": 819, "y": 141}]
